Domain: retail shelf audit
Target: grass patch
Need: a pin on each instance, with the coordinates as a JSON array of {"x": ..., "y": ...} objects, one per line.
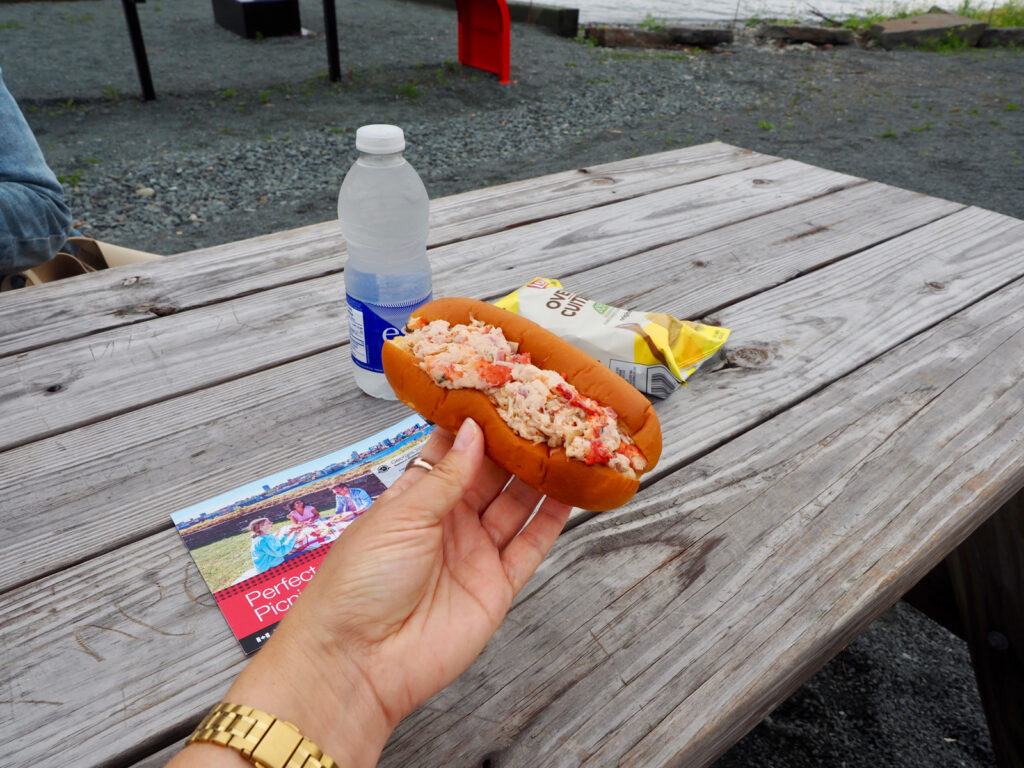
[
  {"x": 409, "y": 90},
  {"x": 72, "y": 179},
  {"x": 228, "y": 93},
  {"x": 921, "y": 128},
  {"x": 9, "y": 25},
  {"x": 651, "y": 24},
  {"x": 950, "y": 42},
  {"x": 764, "y": 125},
  {"x": 888, "y": 133},
  {"x": 756, "y": 21},
  {"x": 264, "y": 97},
  {"x": 1009, "y": 14},
  {"x": 110, "y": 93},
  {"x": 222, "y": 562},
  {"x": 1010, "y": 107}
]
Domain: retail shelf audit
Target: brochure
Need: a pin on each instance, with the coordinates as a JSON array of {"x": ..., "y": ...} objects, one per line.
[{"x": 258, "y": 545}]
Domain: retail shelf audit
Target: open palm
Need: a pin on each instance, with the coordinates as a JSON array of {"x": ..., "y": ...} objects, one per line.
[{"x": 415, "y": 588}]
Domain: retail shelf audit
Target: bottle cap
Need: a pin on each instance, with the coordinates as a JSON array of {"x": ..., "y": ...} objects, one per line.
[{"x": 380, "y": 139}]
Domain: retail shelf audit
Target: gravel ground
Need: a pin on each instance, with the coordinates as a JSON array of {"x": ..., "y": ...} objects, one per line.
[
  {"x": 248, "y": 137},
  {"x": 902, "y": 694}
]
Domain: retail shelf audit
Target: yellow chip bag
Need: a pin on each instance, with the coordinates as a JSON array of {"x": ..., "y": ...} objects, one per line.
[{"x": 653, "y": 351}]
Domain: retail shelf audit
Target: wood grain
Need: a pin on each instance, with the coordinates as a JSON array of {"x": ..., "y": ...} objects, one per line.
[
  {"x": 700, "y": 275},
  {"x": 655, "y": 635},
  {"x": 818, "y": 328},
  {"x": 295, "y": 412},
  {"x": 58, "y": 387},
  {"x": 80, "y": 307},
  {"x": 659, "y": 635}
]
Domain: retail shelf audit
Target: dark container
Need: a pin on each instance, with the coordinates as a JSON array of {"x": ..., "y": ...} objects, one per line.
[{"x": 258, "y": 18}]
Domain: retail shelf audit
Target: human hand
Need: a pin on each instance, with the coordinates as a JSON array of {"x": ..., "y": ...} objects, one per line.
[{"x": 405, "y": 601}]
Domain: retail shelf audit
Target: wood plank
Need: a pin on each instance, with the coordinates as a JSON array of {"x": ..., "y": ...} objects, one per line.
[
  {"x": 700, "y": 275},
  {"x": 683, "y": 621},
  {"x": 50, "y": 390},
  {"x": 70, "y": 309},
  {"x": 679, "y": 620},
  {"x": 111, "y": 462},
  {"x": 987, "y": 574},
  {"x": 818, "y": 328}
]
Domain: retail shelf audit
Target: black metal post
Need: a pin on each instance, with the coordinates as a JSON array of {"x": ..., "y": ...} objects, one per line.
[
  {"x": 331, "y": 33},
  {"x": 131, "y": 15}
]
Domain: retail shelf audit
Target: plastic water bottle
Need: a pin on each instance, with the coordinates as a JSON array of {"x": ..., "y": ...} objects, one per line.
[{"x": 383, "y": 210}]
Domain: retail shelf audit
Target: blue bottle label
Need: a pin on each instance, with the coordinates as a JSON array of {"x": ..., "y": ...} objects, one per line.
[{"x": 370, "y": 325}]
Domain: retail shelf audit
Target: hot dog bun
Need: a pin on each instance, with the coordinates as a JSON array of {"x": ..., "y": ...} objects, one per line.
[{"x": 596, "y": 487}]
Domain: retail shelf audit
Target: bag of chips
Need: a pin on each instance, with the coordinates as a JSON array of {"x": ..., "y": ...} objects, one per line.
[{"x": 653, "y": 351}]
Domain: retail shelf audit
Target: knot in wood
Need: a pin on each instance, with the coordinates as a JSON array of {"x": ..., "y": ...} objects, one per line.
[{"x": 748, "y": 357}]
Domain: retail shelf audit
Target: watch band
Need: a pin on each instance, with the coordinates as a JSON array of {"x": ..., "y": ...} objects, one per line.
[{"x": 261, "y": 738}]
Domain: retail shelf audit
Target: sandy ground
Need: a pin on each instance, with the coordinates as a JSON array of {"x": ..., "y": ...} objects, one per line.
[{"x": 248, "y": 137}]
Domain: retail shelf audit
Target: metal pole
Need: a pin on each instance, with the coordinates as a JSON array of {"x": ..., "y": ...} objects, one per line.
[
  {"x": 331, "y": 30},
  {"x": 131, "y": 15}
]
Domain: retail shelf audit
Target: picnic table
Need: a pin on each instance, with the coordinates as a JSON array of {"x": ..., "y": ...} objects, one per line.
[{"x": 864, "y": 428}]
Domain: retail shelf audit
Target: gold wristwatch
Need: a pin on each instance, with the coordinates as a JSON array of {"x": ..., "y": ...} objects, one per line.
[{"x": 261, "y": 739}]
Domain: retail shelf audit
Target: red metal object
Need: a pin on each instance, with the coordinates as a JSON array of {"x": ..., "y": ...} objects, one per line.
[{"x": 485, "y": 36}]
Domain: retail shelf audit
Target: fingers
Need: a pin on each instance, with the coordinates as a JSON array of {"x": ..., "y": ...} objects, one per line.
[
  {"x": 509, "y": 512},
  {"x": 526, "y": 551},
  {"x": 435, "y": 493},
  {"x": 489, "y": 483},
  {"x": 437, "y": 445}
]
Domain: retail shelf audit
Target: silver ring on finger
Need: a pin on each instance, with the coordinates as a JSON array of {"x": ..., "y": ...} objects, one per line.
[{"x": 421, "y": 463}]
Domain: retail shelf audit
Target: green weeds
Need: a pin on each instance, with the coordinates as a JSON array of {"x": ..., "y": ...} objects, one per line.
[
  {"x": 72, "y": 179},
  {"x": 950, "y": 42},
  {"x": 408, "y": 90},
  {"x": 1009, "y": 14},
  {"x": 756, "y": 21},
  {"x": 651, "y": 24}
]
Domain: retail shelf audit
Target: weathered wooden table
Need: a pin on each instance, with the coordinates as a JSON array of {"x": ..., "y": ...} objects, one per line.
[{"x": 867, "y": 418}]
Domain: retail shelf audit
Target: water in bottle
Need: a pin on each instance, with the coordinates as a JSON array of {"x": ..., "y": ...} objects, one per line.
[{"x": 383, "y": 211}]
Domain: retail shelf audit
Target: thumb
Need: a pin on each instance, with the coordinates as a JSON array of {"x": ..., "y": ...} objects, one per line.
[{"x": 435, "y": 494}]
